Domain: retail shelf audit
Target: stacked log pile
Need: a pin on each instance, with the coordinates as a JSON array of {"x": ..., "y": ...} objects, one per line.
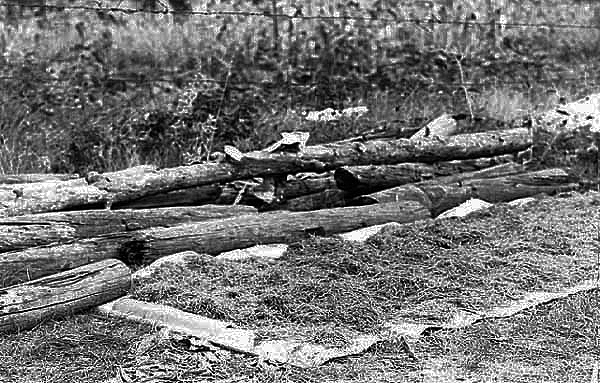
[{"x": 61, "y": 229}]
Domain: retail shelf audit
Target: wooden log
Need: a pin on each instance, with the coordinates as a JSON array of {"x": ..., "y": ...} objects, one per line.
[
  {"x": 8, "y": 179},
  {"x": 304, "y": 184},
  {"x": 39, "y": 197},
  {"x": 326, "y": 199},
  {"x": 218, "y": 236},
  {"x": 504, "y": 189},
  {"x": 212, "y": 237},
  {"x": 416, "y": 191},
  {"x": 36, "y": 262},
  {"x": 500, "y": 170},
  {"x": 193, "y": 196},
  {"x": 439, "y": 196},
  {"x": 24, "y": 306},
  {"x": 21, "y": 232},
  {"x": 316, "y": 158},
  {"x": 370, "y": 179}
]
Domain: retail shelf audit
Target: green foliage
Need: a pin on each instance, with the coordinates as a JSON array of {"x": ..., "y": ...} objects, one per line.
[{"x": 90, "y": 90}]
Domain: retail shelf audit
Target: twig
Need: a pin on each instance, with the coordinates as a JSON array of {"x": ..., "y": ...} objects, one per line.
[
  {"x": 212, "y": 134},
  {"x": 462, "y": 85}
]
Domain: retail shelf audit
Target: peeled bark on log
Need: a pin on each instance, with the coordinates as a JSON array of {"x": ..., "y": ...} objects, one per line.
[
  {"x": 24, "y": 306},
  {"x": 218, "y": 236},
  {"x": 443, "y": 126},
  {"x": 222, "y": 334},
  {"x": 443, "y": 196},
  {"x": 369, "y": 179},
  {"x": 7, "y": 179},
  {"x": 326, "y": 199},
  {"x": 60, "y": 227},
  {"x": 194, "y": 196},
  {"x": 316, "y": 158}
]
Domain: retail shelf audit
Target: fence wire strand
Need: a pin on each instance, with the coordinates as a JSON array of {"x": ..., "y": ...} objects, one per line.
[{"x": 296, "y": 16}]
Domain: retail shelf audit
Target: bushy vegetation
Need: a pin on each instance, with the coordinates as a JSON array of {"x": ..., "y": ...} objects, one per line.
[{"x": 104, "y": 91}]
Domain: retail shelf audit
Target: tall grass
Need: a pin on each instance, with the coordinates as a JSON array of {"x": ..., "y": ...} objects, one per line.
[{"x": 95, "y": 122}]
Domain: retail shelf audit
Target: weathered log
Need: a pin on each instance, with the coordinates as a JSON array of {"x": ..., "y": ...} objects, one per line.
[
  {"x": 24, "y": 306},
  {"x": 212, "y": 237},
  {"x": 439, "y": 196},
  {"x": 36, "y": 262},
  {"x": 326, "y": 199},
  {"x": 273, "y": 193},
  {"x": 369, "y": 179},
  {"x": 217, "y": 236},
  {"x": 34, "y": 177},
  {"x": 443, "y": 126},
  {"x": 500, "y": 170},
  {"x": 304, "y": 184},
  {"x": 316, "y": 158},
  {"x": 41, "y": 197},
  {"x": 21, "y": 232},
  {"x": 194, "y": 196}
]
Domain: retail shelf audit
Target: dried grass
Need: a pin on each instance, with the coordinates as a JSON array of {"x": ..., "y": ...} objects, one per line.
[{"x": 423, "y": 272}]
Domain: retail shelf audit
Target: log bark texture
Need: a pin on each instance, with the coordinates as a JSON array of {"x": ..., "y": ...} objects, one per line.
[
  {"x": 9, "y": 179},
  {"x": 24, "y": 306},
  {"x": 217, "y": 236},
  {"x": 212, "y": 237},
  {"x": 36, "y": 262},
  {"x": 26, "y": 231},
  {"x": 318, "y": 158},
  {"x": 193, "y": 196},
  {"x": 369, "y": 179},
  {"x": 326, "y": 199},
  {"x": 439, "y": 196},
  {"x": 304, "y": 184},
  {"x": 39, "y": 197}
]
